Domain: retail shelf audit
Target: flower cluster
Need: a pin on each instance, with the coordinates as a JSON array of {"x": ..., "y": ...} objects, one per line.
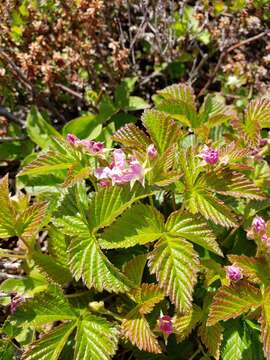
[
  {"x": 91, "y": 146},
  {"x": 209, "y": 155},
  {"x": 258, "y": 229},
  {"x": 234, "y": 273},
  {"x": 121, "y": 170}
]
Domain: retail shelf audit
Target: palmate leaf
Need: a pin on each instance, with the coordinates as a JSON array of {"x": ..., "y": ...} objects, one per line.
[
  {"x": 192, "y": 228},
  {"x": 147, "y": 225},
  {"x": 50, "y": 346},
  {"x": 44, "y": 308},
  {"x": 265, "y": 323},
  {"x": 134, "y": 268},
  {"x": 7, "y": 210},
  {"x": 202, "y": 201},
  {"x": 163, "y": 130},
  {"x": 258, "y": 111},
  {"x": 135, "y": 327},
  {"x": 230, "y": 302},
  {"x": 211, "y": 337},
  {"x": 89, "y": 263},
  {"x": 175, "y": 264},
  {"x": 30, "y": 221},
  {"x": 233, "y": 184},
  {"x": 96, "y": 339},
  {"x": 130, "y": 135},
  {"x": 179, "y": 101},
  {"x": 110, "y": 202},
  {"x": 184, "y": 324},
  {"x": 256, "y": 269}
]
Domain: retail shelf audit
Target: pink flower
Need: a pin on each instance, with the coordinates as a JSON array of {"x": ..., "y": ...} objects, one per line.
[
  {"x": 105, "y": 183},
  {"x": 209, "y": 155},
  {"x": 119, "y": 159},
  {"x": 16, "y": 300},
  {"x": 151, "y": 151},
  {"x": 165, "y": 324},
  {"x": 72, "y": 139},
  {"x": 265, "y": 238},
  {"x": 102, "y": 173},
  {"x": 92, "y": 146},
  {"x": 258, "y": 225},
  {"x": 234, "y": 273}
]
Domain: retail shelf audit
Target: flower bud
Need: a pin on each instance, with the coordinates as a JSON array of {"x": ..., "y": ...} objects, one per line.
[
  {"x": 258, "y": 225},
  {"x": 165, "y": 324},
  {"x": 209, "y": 155},
  {"x": 151, "y": 152},
  {"x": 234, "y": 273},
  {"x": 72, "y": 139}
]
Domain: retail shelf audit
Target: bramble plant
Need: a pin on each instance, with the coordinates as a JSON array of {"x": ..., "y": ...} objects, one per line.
[{"x": 163, "y": 234}]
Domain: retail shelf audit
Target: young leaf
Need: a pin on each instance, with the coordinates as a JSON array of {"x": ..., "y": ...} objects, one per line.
[
  {"x": 136, "y": 328},
  {"x": 163, "y": 130},
  {"x": 147, "y": 225},
  {"x": 147, "y": 296},
  {"x": 175, "y": 264},
  {"x": 133, "y": 137},
  {"x": 234, "y": 341},
  {"x": 109, "y": 203},
  {"x": 258, "y": 111},
  {"x": 49, "y": 347},
  {"x": 89, "y": 263},
  {"x": 184, "y": 324},
  {"x": 211, "y": 337},
  {"x": 134, "y": 268},
  {"x": 230, "y": 302},
  {"x": 96, "y": 339},
  {"x": 194, "y": 229}
]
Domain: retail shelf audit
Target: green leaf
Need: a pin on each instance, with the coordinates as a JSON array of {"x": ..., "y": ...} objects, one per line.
[
  {"x": 147, "y": 225},
  {"x": 194, "y": 229},
  {"x": 147, "y": 296},
  {"x": 44, "y": 308},
  {"x": 163, "y": 130},
  {"x": 135, "y": 327},
  {"x": 57, "y": 246},
  {"x": 30, "y": 221},
  {"x": 184, "y": 324},
  {"x": 179, "y": 101},
  {"x": 233, "y": 184},
  {"x": 132, "y": 136},
  {"x": 50, "y": 346},
  {"x": 175, "y": 264},
  {"x": 137, "y": 103},
  {"x": 230, "y": 302},
  {"x": 84, "y": 127},
  {"x": 39, "y": 130},
  {"x": 53, "y": 270},
  {"x": 7, "y": 211},
  {"x": 258, "y": 111},
  {"x": 96, "y": 339},
  {"x": 89, "y": 263},
  {"x": 235, "y": 342},
  {"x": 6, "y": 350},
  {"x": 265, "y": 323},
  {"x": 134, "y": 268},
  {"x": 211, "y": 337},
  {"x": 108, "y": 203}
]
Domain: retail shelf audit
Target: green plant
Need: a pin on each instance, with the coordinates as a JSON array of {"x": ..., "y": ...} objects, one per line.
[{"x": 136, "y": 241}]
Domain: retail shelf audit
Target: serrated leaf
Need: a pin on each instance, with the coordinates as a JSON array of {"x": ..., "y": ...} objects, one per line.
[
  {"x": 179, "y": 101},
  {"x": 52, "y": 270},
  {"x": 57, "y": 246},
  {"x": 265, "y": 323},
  {"x": 147, "y": 225},
  {"x": 133, "y": 137},
  {"x": 44, "y": 308},
  {"x": 136, "y": 328},
  {"x": 163, "y": 130},
  {"x": 230, "y": 302},
  {"x": 192, "y": 228},
  {"x": 134, "y": 268},
  {"x": 202, "y": 201},
  {"x": 235, "y": 342},
  {"x": 111, "y": 202},
  {"x": 147, "y": 296},
  {"x": 211, "y": 337},
  {"x": 258, "y": 111},
  {"x": 175, "y": 264},
  {"x": 184, "y": 324},
  {"x": 256, "y": 269},
  {"x": 89, "y": 263},
  {"x": 30, "y": 221},
  {"x": 49, "y": 347},
  {"x": 46, "y": 163},
  {"x": 6, "y": 350},
  {"x": 7, "y": 210},
  {"x": 96, "y": 339},
  {"x": 76, "y": 173},
  {"x": 233, "y": 184}
]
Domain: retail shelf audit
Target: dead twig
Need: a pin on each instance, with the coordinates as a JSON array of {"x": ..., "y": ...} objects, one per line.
[
  {"x": 224, "y": 53},
  {"x": 11, "y": 117}
]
